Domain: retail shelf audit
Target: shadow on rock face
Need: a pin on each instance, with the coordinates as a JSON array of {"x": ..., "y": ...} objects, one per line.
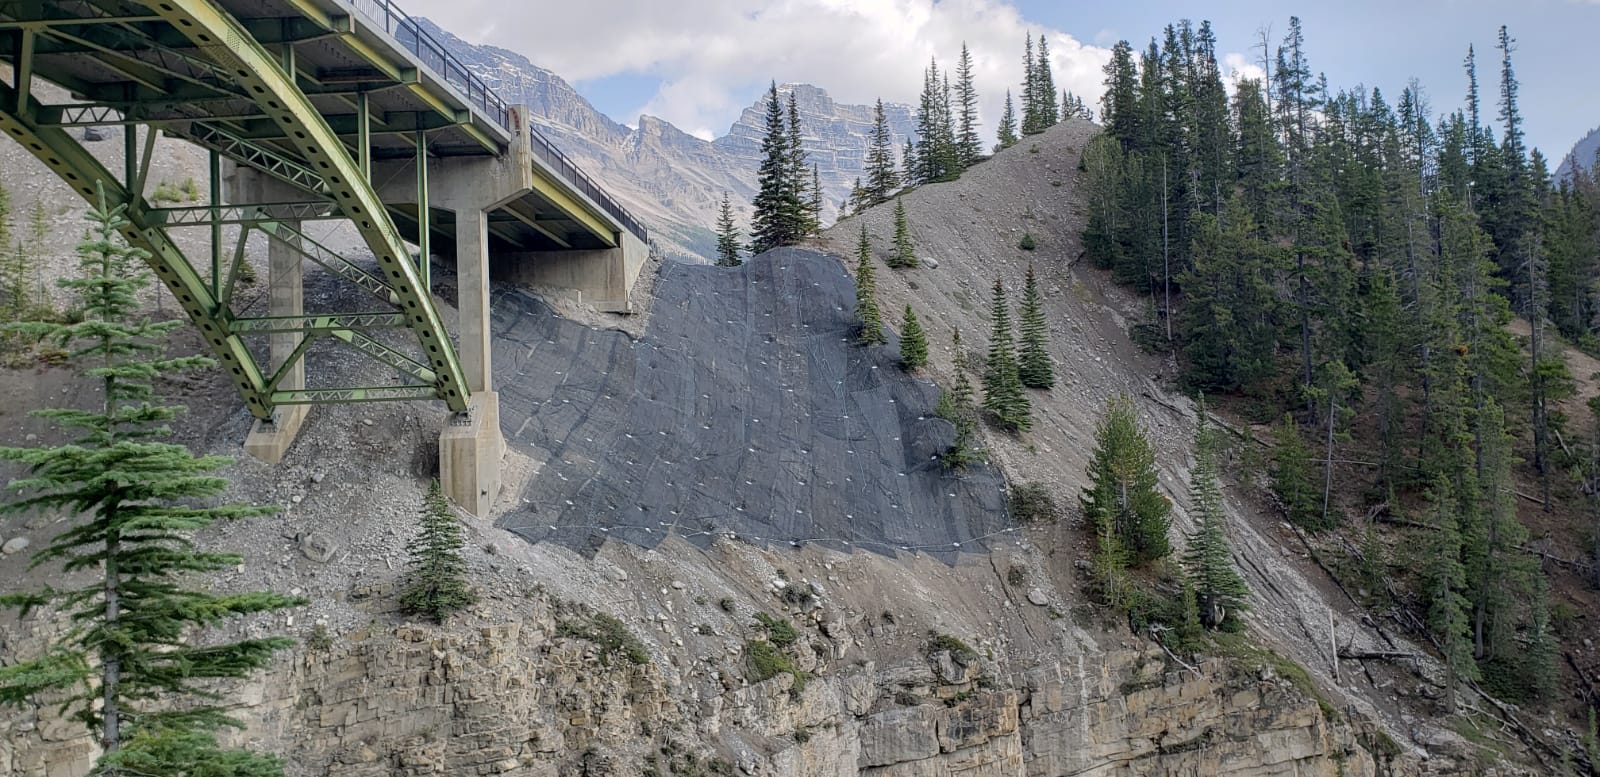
[{"x": 746, "y": 410}]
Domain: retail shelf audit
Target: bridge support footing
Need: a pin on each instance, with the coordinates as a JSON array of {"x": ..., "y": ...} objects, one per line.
[
  {"x": 269, "y": 441},
  {"x": 470, "y": 448}
]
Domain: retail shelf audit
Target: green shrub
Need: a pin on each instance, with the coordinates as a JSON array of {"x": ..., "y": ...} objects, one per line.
[
  {"x": 609, "y": 634},
  {"x": 1031, "y": 503},
  {"x": 778, "y": 630},
  {"x": 960, "y": 652},
  {"x": 319, "y": 640},
  {"x": 768, "y": 661},
  {"x": 1027, "y": 243}
]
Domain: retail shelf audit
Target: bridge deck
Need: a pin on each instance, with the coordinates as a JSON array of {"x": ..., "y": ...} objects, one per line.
[{"x": 352, "y": 58}]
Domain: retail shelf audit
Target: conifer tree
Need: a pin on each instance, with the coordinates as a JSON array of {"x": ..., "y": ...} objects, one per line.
[
  {"x": 1034, "y": 367},
  {"x": 905, "y": 253},
  {"x": 936, "y": 155},
  {"x": 805, "y": 221},
  {"x": 1122, "y": 502},
  {"x": 1219, "y": 589},
  {"x": 913, "y": 343},
  {"x": 776, "y": 219},
  {"x": 955, "y": 406},
  {"x": 968, "y": 145},
  {"x": 910, "y": 164},
  {"x": 1002, "y": 387},
  {"x": 1044, "y": 89},
  {"x": 1443, "y": 583},
  {"x": 1008, "y": 125},
  {"x": 132, "y": 668},
  {"x": 1292, "y": 477},
  {"x": 882, "y": 178},
  {"x": 814, "y": 207},
  {"x": 436, "y": 578},
  {"x": 727, "y": 236},
  {"x": 867, "y": 311},
  {"x": 1030, "y": 89}
]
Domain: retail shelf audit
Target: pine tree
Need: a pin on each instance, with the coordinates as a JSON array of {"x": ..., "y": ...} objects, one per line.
[
  {"x": 805, "y": 221},
  {"x": 1002, "y": 387},
  {"x": 956, "y": 407},
  {"x": 776, "y": 219},
  {"x": 436, "y": 578},
  {"x": 913, "y": 343},
  {"x": 1034, "y": 367},
  {"x": 1219, "y": 589},
  {"x": 1443, "y": 583},
  {"x": 1030, "y": 89},
  {"x": 727, "y": 236},
  {"x": 909, "y": 163},
  {"x": 1291, "y": 476},
  {"x": 1008, "y": 125},
  {"x": 905, "y": 254},
  {"x": 968, "y": 147},
  {"x": 1044, "y": 89},
  {"x": 1122, "y": 501},
  {"x": 132, "y": 668},
  {"x": 814, "y": 206},
  {"x": 867, "y": 295},
  {"x": 882, "y": 179}
]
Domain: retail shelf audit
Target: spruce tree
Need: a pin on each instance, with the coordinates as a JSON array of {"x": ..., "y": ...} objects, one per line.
[
  {"x": 867, "y": 311},
  {"x": 968, "y": 146},
  {"x": 1443, "y": 584},
  {"x": 882, "y": 178},
  {"x": 814, "y": 206},
  {"x": 805, "y": 222},
  {"x": 913, "y": 343},
  {"x": 1030, "y": 89},
  {"x": 1044, "y": 89},
  {"x": 910, "y": 164},
  {"x": 1002, "y": 388},
  {"x": 956, "y": 407},
  {"x": 727, "y": 236},
  {"x": 1292, "y": 476},
  {"x": 775, "y": 220},
  {"x": 436, "y": 578},
  {"x": 1122, "y": 502},
  {"x": 1219, "y": 589},
  {"x": 1008, "y": 125},
  {"x": 905, "y": 254},
  {"x": 1034, "y": 367},
  {"x": 134, "y": 668}
]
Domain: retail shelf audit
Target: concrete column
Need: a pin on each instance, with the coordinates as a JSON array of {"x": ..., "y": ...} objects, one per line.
[
  {"x": 470, "y": 447},
  {"x": 270, "y": 440}
]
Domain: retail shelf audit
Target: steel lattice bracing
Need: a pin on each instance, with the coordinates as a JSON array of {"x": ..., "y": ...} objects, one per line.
[{"x": 314, "y": 94}]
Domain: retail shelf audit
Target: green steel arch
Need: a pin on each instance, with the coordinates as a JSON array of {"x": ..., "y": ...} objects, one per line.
[{"x": 329, "y": 168}]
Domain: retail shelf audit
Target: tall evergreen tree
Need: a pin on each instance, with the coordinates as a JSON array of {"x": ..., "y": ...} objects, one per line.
[
  {"x": 905, "y": 252},
  {"x": 1008, "y": 125},
  {"x": 806, "y": 222},
  {"x": 776, "y": 221},
  {"x": 131, "y": 667},
  {"x": 867, "y": 311},
  {"x": 968, "y": 145},
  {"x": 1444, "y": 581},
  {"x": 937, "y": 158},
  {"x": 1030, "y": 89},
  {"x": 913, "y": 342},
  {"x": 436, "y": 579},
  {"x": 882, "y": 178},
  {"x": 959, "y": 410},
  {"x": 1292, "y": 476},
  {"x": 1218, "y": 587},
  {"x": 1044, "y": 89},
  {"x": 814, "y": 206},
  {"x": 1122, "y": 500},
  {"x": 727, "y": 236},
  {"x": 1002, "y": 387},
  {"x": 1034, "y": 367}
]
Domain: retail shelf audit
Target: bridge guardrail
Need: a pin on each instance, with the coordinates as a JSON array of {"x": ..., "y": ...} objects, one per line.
[{"x": 409, "y": 34}]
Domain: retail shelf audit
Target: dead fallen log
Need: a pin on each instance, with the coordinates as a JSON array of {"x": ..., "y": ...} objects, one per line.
[{"x": 1377, "y": 655}]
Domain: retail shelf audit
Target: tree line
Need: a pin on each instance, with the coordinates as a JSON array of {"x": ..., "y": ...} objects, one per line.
[{"x": 1352, "y": 269}]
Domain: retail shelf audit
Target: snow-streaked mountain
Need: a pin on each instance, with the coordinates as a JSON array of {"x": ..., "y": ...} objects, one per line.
[{"x": 670, "y": 179}]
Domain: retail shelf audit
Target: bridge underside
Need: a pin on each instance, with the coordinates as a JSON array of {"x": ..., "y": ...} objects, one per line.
[{"x": 310, "y": 111}]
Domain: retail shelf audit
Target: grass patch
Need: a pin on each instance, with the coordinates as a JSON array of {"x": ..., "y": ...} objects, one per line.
[
  {"x": 768, "y": 661},
  {"x": 960, "y": 652},
  {"x": 609, "y": 634},
  {"x": 779, "y": 631},
  {"x": 319, "y": 640},
  {"x": 1238, "y": 647}
]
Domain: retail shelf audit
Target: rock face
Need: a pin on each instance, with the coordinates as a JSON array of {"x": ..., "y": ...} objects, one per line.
[
  {"x": 1583, "y": 152},
  {"x": 669, "y": 178},
  {"x": 515, "y": 699}
]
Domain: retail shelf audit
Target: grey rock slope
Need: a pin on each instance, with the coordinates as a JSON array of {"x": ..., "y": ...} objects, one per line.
[
  {"x": 1583, "y": 152},
  {"x": 746, "y": 408},
  {"x": 669, "y": 178}
]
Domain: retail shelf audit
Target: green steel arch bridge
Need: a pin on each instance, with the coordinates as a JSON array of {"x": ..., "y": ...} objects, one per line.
[{"x": 312, "y": 110}]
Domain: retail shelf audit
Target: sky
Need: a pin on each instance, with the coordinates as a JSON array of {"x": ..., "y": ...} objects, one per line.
[{"x": 698, "y": 63}]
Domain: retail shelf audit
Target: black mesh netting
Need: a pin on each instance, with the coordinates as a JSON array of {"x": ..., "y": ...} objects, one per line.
[{"x": 746, "y": 411}]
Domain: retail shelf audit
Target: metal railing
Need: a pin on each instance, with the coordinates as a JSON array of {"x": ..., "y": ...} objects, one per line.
[{"x": 433, "y": 55}]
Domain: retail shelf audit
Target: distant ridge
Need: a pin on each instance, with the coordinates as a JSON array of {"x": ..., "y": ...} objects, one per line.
[{"x": 1583, "y": 151}]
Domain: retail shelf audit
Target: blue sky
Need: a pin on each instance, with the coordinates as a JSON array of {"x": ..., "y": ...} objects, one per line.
[{"x": 697, "y": 63}]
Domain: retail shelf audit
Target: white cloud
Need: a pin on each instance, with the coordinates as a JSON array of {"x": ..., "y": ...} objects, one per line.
[
  {"x": 1237, "y": 67},
  {"x": 713, "y": 55}
]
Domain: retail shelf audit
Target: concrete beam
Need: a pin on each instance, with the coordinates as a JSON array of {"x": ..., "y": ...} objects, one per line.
[{"x": 602, "y": 278}]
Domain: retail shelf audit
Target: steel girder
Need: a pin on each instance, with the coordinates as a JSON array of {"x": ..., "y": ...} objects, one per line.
[{"x": 229, "y": 44}]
